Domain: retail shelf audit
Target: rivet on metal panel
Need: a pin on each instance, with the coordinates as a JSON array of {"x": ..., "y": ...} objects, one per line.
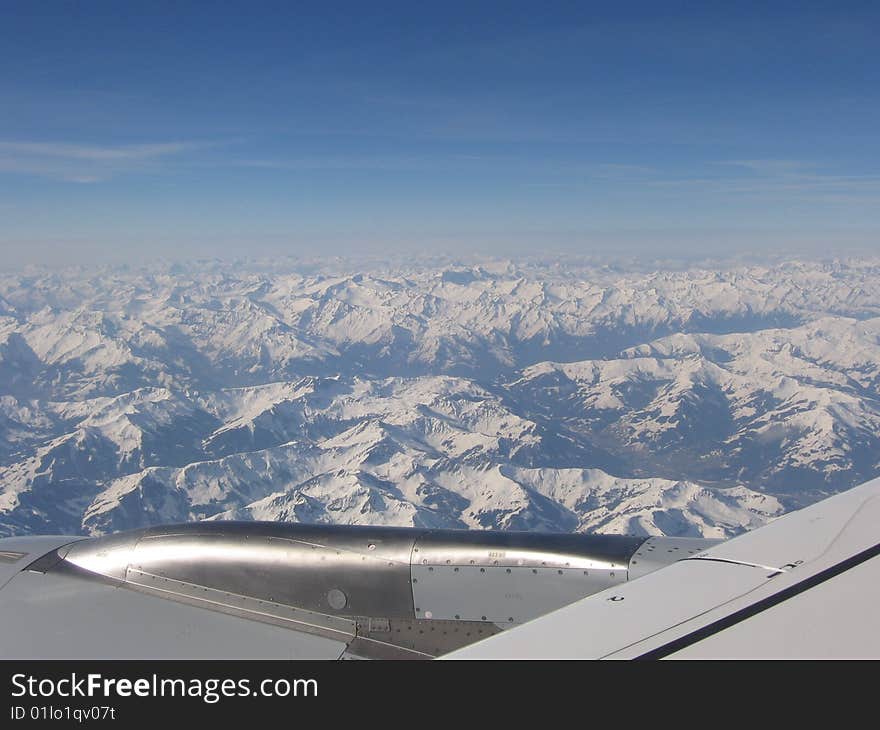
[{"x": 337, "y": 599}]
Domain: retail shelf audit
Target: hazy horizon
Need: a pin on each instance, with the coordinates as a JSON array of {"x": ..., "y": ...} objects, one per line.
[{"x": 371, "y": 260}]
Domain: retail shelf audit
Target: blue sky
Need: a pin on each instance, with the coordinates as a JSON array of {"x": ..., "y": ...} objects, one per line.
[{"x": 134, "y": 129}]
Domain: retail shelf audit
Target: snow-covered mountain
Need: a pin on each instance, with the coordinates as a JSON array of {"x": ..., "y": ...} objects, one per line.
[
  {"x": 793, "y": 411},
  {"x": 531, "y": 395}
]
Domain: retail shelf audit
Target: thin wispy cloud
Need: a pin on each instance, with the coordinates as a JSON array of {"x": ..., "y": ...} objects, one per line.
[
  {"x": 338, "y": 163},
  {"x": 771, "y": 167},
  {"x": 87, "y": 152},
  {"x": 432, "y": 162},
  {"x": 79, "y": 163},
  {"x": 796, "y": 180}
]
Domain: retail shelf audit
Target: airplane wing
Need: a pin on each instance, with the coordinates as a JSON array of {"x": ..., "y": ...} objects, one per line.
[
  {"x": 293, "y": 591},
  {"x": 805, "y": 586}
]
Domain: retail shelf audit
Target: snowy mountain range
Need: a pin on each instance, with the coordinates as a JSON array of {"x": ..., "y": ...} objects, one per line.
[{"x": 555, "y": 395}]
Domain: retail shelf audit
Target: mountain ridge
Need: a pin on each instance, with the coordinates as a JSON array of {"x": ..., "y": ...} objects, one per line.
[{"x": 433, "y": 396}]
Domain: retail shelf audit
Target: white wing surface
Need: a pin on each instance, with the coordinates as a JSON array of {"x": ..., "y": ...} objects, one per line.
[{"x": 805, "y": 586}]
